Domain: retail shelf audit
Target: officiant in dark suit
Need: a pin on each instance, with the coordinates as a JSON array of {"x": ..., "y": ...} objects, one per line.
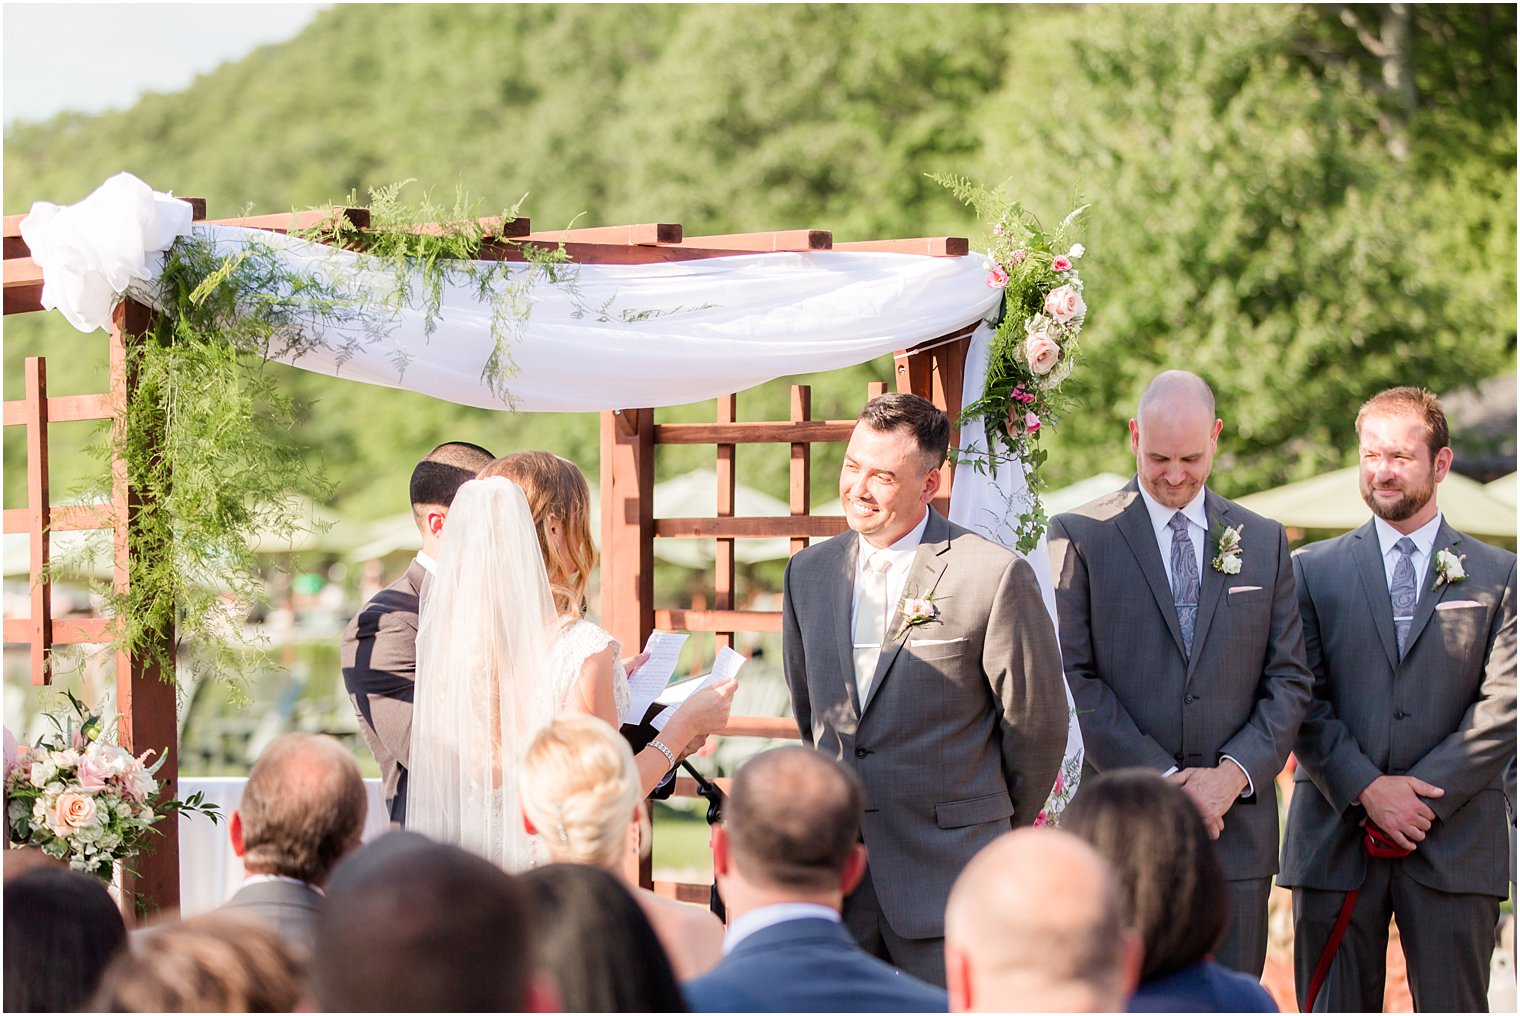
[
  {"x": 1410, "y": 630},
  {"x": 302, "y": 811},
  {"x": 921, "y": 656},
  {"x": 1182, "y": 642},
  {"x": 379, "y": 649}
]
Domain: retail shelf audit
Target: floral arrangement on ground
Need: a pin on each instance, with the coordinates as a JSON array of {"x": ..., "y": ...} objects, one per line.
[
  {"x": 85, "y": 800},
  {"x": 1032, "y": 353}
]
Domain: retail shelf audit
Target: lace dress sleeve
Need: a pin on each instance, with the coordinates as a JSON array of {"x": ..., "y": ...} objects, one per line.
[{"x": 576, "y": 643}]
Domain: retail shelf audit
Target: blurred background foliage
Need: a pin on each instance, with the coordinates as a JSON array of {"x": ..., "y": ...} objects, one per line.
[{"x": 1304, "y": 203}]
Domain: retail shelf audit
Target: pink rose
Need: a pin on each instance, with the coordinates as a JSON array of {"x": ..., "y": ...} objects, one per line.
[
  {"x": 1042, "y": 352},
  {"x": 70, "y": 812},
  {"x": 94, "y": 770},
  {"x": 1031, "y": 423},
  {"x": 997, "y": 278},
  {"x": 1040, "y": 820},
  {"x": 1064, "y": 303},
  {"x": 1061, "y": 263}
]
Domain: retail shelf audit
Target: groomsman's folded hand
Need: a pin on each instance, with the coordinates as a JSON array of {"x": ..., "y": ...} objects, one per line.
[{"x": 1393, "y": 803}]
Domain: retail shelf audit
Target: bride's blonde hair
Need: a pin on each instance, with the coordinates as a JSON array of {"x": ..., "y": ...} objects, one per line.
[
  {"x": 556, "y": 489},
  {"x": 578, "y": 785}
]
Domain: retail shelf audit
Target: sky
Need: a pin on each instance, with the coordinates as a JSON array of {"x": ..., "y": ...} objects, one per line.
[{"x": 91, "y": 58}]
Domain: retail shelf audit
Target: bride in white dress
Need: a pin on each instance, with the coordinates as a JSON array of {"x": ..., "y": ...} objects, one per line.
[{"x": 503, "y": 647}]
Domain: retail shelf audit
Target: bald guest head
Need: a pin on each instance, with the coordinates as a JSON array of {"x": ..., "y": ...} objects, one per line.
[
  {"x": 303, "y": 808},
  {"x": 1034, "y": 924},
  {"x": 1174, "y": 436}
]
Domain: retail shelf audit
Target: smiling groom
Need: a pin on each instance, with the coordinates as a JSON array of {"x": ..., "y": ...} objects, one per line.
[{"x": 921, "y": 656}]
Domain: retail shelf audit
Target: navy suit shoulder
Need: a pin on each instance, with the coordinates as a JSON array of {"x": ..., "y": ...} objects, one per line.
[
  {"x": 808, "y": 965},
  {"x": 1203, "y": 987}
]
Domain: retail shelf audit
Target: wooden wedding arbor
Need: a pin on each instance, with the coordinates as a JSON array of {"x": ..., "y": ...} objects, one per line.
[{"x": 630, "y": 440}]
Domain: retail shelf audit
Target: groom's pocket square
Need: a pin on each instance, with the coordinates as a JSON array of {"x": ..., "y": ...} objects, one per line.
[
  {"x": 935, "y": 642},
  {"x": 1243, "y": 589},
  {"x": 1455, "y": 604}
]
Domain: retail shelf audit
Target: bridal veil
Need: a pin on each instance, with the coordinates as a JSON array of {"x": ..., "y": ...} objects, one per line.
[{"x": 480, "y": 696}]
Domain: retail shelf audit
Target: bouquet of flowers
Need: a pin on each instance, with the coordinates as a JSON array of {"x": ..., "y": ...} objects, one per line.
[
  {"x": 1035, "y": 345},
  {"x": 85, "y": 800}
]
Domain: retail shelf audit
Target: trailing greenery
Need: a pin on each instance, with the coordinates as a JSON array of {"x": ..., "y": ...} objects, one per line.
[{"x": 207, "y": 425}]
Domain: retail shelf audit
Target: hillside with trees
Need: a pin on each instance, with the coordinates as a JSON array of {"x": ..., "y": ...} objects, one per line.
[{"x": 1304, "y": 203}]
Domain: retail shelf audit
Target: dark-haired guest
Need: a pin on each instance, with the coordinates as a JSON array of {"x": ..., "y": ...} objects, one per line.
[
  {"x": 785, "y": 857},
  {"x": 594, "y": 941},
  {"x": 302, "y": 810},
  {"x": 62, "y": 929},
  {"x": 1034, "y": 925},
  {"x": 207, "y": 964},
  {"x": 379, "y": 649},
  {"x": 416, "y": 926},
  {"x": 1173, "y": 889}
]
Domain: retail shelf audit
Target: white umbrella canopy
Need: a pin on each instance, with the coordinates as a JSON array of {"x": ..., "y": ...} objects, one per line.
[
  {"x": 1502, "y": 489},
  {"x": 316, "y": 529},
  {"x": 1078, "y": 494},
  {"x": 1334, "y": 501}
]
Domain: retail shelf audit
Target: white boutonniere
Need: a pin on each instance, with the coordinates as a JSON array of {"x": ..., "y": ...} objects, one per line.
[
  {"x": 1227, "y": 550},
  {"x": 1448, "y": 568},
  {"x": 916, "y": 612}
]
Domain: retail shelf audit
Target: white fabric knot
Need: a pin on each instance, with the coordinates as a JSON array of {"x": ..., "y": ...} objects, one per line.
[{"x": 90, "y": 252}]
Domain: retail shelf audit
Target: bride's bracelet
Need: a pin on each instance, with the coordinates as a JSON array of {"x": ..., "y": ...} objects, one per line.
[{"x": 663, "y": 749}]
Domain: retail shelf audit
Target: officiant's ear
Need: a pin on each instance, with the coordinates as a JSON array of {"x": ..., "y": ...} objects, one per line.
[{"x": 854, "y": 869}]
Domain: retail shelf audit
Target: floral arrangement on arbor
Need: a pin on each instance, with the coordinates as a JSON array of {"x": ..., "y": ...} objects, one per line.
[
  {"x": 87, "y": 801},
  {"x": 1035, "y": 346}
]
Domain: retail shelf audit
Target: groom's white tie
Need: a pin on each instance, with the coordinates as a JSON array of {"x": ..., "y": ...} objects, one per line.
[{"x": 870, "y": 622}]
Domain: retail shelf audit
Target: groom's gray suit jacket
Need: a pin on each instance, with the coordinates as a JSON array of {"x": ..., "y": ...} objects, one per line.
[
  {"x": 1445, "y": 713},
  {"x": 1142, "y": 702},
  {"x": 963, "y": 734}
]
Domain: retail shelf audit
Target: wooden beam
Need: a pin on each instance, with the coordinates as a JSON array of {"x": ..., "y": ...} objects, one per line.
[
  {"x": 67, "y": 631},
  {"x": 38, "y": 512},
  {"x": 762, "y": 726},
  {"x": 289, "y": 222},
  {"x": 607, "y": 253},
  {"x": 65, "y": 518},
  {"x": 759, "y": 432},
  {"x": 627, "y": 525},
  {"x": 694, "y": 893},
  {"x": 800, "y": 494},
  {"x": 930, "y": 246},
  {"x": 23, "y": 286},
  {"x": 750, "y": 528},
  {"x": 717, "y": 620},
  {"x": 643, "y": 233},
  {"x": 64, "y": 409},
  {"x": 764, "y": 243},
  {"x": 687, "y": 787}
]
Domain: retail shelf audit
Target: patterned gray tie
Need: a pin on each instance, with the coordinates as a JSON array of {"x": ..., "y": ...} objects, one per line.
[
  {"x": 1403, "y": 591},
  {"x": 1184, "y": 580}
]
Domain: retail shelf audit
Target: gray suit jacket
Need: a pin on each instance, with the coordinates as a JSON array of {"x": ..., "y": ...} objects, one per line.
[
  {"x": 1444, "y": 714},
  {"x": 379, "y": 659},
  {"x": 290, "y": 909},
  {"x": 1140, "y": 701},
  {"x": 961, "y": 738}
]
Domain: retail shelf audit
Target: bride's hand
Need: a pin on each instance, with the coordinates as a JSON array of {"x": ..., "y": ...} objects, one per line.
[
  {"x": 632, "y": 663},
  {"x": 707, "y": 710}
]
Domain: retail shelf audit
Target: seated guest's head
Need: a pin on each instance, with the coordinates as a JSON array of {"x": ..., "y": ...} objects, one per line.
[
  {"x": 416, "y": 926},
  {"x": 1169, "y": 877},
  {"x": 302, "y": 809},
  {"x": 209, "y": 963},
  {"x": 790, "y": 832},
  {"x": 1034, "y": 923},
  {"x": 61, "y": 931},
  {"x": 595, "y": 943},
  {"x": 579, "y": 789}
]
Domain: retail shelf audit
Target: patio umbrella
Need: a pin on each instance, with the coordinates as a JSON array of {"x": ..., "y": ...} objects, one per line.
[{"x": 1334, "y": 501}]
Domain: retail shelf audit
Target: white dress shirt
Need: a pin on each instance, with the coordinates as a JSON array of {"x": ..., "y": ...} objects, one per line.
[
  {"x": 899, "y": 558},
  {"x": 428, "y": 564},
  {"x": 1161, "y": 521},
  {"x": 1424, "y": 540},
  {"x": 760, "y": 918}
]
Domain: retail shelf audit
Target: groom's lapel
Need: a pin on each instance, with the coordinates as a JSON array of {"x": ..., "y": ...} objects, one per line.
[
  {"x": 928, "y": 566},
  {"x": 843, "y": 600}
]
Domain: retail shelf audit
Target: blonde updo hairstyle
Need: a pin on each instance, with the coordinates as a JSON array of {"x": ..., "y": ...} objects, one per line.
[
  {"x": 579, "y": 786},
  {"x": 556, "y": 490}
]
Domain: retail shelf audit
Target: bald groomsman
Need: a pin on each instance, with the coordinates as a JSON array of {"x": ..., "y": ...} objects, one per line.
[
  {"x": 1182, "y": 642},
  {"x": 1410, "y": 632}
]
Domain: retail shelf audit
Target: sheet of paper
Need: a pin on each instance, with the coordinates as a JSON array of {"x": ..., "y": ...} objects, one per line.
[
  {"x": 664, "y": 649},
  {"x": 725, "y": 666}
]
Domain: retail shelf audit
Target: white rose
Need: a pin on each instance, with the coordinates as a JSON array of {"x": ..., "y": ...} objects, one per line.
[
  {"x": 1077, "y": 250},
  {"x": 43, "y": 771},
  {"x": 1230, "y": 565}
]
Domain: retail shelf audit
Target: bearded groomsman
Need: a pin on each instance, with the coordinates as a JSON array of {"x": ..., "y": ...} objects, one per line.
[
  {"x": 1182, "y": 643},
  {"x": 1410, "y": 631}
]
